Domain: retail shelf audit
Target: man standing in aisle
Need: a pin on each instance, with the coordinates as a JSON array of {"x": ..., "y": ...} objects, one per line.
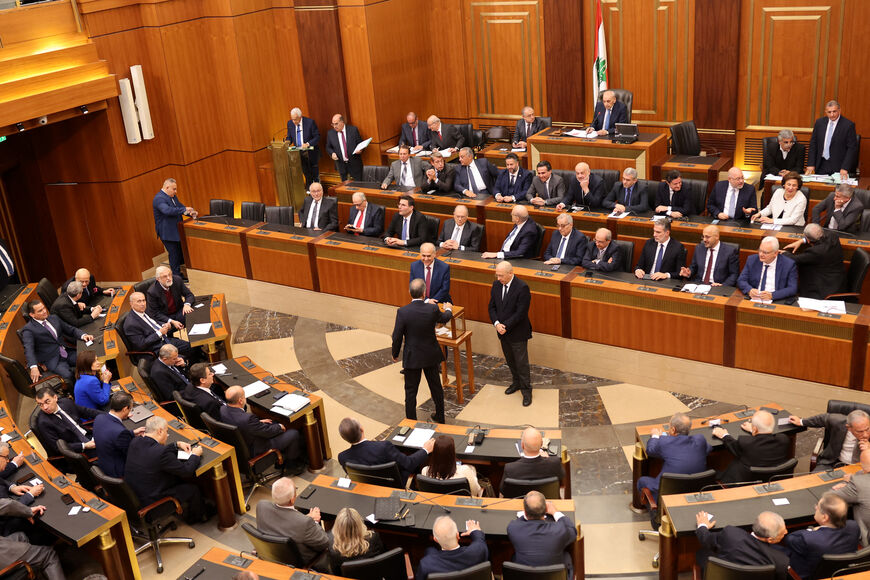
[
  {"x": 509, "y": 312},
  {"x": 168, "y": 212}
]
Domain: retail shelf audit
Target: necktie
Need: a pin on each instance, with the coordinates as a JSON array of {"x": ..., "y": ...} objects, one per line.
[
  {"x": 510, "y": 238},
  {"x": 428, "y": 280},
  {"x": 559, "y": 252},
  {"x": 547, "y": 189},
  {"x": 856, "y": 453},
  {"x": 471, "y": 184},
  {"x": 606, "y": 125},
  {"x": 7, "y": 261},
  {"x": 404, "y": 228},
  {"x": 600, "y": 255},
  {"x": 359, "y": 220},
  {"x": 457, "y": 233},
  {"x": 439, "y": 135},
  {"x": 658, "y": 265},
  {"x": 732, "y": 203},
  {"x": 153, "y": 325},
  {"x": 312, "y": 215},
  {"x": 709, "y": 270},
  {"x": 504, "y": 289},
  {"x": 404, "y": 173},
  {"x": 628, "y": 197},
  {"x": 53, "y": 332},
  {"x": 414, "y": 133},
  {"x": 343, "y": 147},
  {"x": 826, "y": 152},
  {"x": 671, "y": 197},
  {"x": 763, "y": 284},
  {"x": 299, "y": 135},
  {"x": 83, "y": 435},
  {"x": 528, "y": 129},
  {"x": 513, "y": 178}
]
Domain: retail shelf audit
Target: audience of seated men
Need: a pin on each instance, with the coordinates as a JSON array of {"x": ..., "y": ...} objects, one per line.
[
  {"x": 627, "y": 195},
  {"x": 167, "y": 373},
  {"x": 409, "y": 227},
  {"x": 43, "y": 339},
  {"x": 460, "y": 234},
  {"x": 366, "y": 218},
  {"x": 512, "y": 184},
  {"x": 365, "y": 452},
  {"x": 280, "y": 518},
  {"x": 61, "y": 419},
  {"x": 819, "y": 259},
  {"x": 834, "y": 534},
  {"x": 70, "y": 307},
  {"x": 567, "y": 245},
  {"x": 474, "y": 176},
  {"x": 451, "y": 557},
  {"x": 765, "y": 277},
  {"x": 145, "y": 334},
  {"x": 738, "y": 546},
  {"x": 671, "y": 201},
  {"x": 547, "y": 188},
  {"x": 406, "y": 171},
  {"x": 93, "y": 382},
  {"x": 440, "y": 176},
  {"x": 169, "y": 298},
  {"x": 713, "y": 263},
  {"x": 522, "y": 240},
  {"x": 200, "y": 391},
  {"x": 90, "y": 291},
  {"x": 856, "y": 491},
  {"x": 733, "y": 199},
  {"x": 535, "y": 462},
  {"x": 842, "y": 210},
  {"x": 587, "y": 190},
  {"x": 112, "y": 438},
  {"x": 154, "y": 471},
  {"x": 434, "y": 273},
  {"x": 783, "y": 156},
  {"x": 679, "y": 450},
  {"x": 662, "y": 257},
  {"x": 542, "y": 536},
  {"x": 761, "y": 448},
  {"x": 847, "y": 436},
  {"x": 602, "y": 255},
  {"x": 17, "y": 546}
]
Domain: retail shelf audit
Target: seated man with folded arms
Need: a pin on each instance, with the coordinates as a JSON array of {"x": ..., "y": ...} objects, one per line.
[
  {"x": 585, "y": 191},
  {"x": 166, "y": 373},
  {"x": 60, "y": 419},
  {"x": 847, "y": 436},
  {"x": 452, "y": 557},
  {"x": 738, "y": 546},
  {"x": 842, "y": 210},
  {"x": 280, "y": 518},
  {"x": 366, "y": 218},
  {"x": 70, "y": 308},
  {"x": 856, "y": 491},
  {"x": 169, "y": 298},
  {"x": 521, "y": 241},
  {"x": 542, "y": 536},
  {"x": 567, "y": 245},
  {"x": 834, "y": 535},
  {"x": 440, "y": 176},
  {"x": 602, "y": 255},
  {"x": 367, "y": 452},
  {"x": 547, "y": 188},
  {"x": 679, "y": 451},
  {"x": 627, "y": 195},
  {"x": 43, "y": 341},
  {"x": 512, "y": 184},
  {"x": 662, "y": 257},
  {"x": 459, "y": 233},
  {"x": 535, "y": 462},
  {"x": 200, "y": 392},
  {"x": 111, "y": 436},
  {"x": 90, "y": 290},
  {"x": 761, "y": 448},
  {"x": 713, "y": 262},
  {"x": 671, "y": 200},
  {"x": 17, "y": 546},
  {"x": 765, "y": 276}
]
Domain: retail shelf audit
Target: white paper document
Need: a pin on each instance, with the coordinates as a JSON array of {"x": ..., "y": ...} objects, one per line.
[
  {"x": 518, "y": 150},
  {"x": 183, "y": 455},
  {"x": 760, "y": 301},
  {"x": 618, "y": 216},
  {"x": 201, "y": 328},
  {"x": 775, "y": 227},
  {"x": 697, "y": 288},
  {"x": 281, "y": 411},
  {"x": 362, "y": 145},
  {"x": 418, "y": 437},
  {"x": 4, "y": 438},
  {"x": 424, "y": 152},
  {"x": 292, "y": 402},
  {"x": 393, "y": 149},
  {"x": 826, "y": 306},
  {"x": 780, "y": 501},
  {"x": 255, "y": 388},
  {"x": 219, "y": 369},
  {"x": 576, "y": 133}
]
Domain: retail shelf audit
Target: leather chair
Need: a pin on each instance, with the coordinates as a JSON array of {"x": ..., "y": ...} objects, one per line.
[
  {"x": 651, "y": 187},
  {"x": 279, "y": 214},
  {"x": 478, "y": 138},
  {"x": 190, "y": 411},
  {"x": 498, "y": 133},
  {"x": 279, "y": 549},
  {"x": 626, "y": 250},
  {"x": 609, "y": 176},
  {"x": 514, "y": 571},
  {"x": 134, "y": 355},
  {"x": 841, "y": 564},
  {"x": 854, "y": 277},
  {"x": 58, "y": 461},
  {"x": 685, "y": 139},
  {"x": 865, "y": 221},
  {"x": 458, "y": 486},
  {"x": 539, "y": 244},
  {"x": 147, "y": 523},
  {"x": 20, "y": 378},
  {"x": 375, "y": 173},
  {"x": 384, "y": 474},
  {"x": 144, "y": 285},
  {"x": 254, "y": 468},
  {"x": 254, "y": 211},
  {"x": 622, "y": 95},
  {"x": 567, "y": 175},
  {"x": 391, "y": 565},
  {"x": 517, "y": 488},
  {"x": 718, "y": 569},
  {"x": 433, "y": 226},
  {"x": 18, "y": 570},
  {"x": 863, "y": 195},
  {"x": 696, "y": 189},
  {"x": 467, "y": 132},
  {"x": 834, "y": 406},
  {"x": 223, "y": 207},
  {"x": 547, "y": 121},
  {"x": 482, "y": 571},
  {"x": 78, "y": 464},
  {"x": 767, "y": 474},
  {"x": 170, "y": 405},
  {"x": 47, "y": 292}
]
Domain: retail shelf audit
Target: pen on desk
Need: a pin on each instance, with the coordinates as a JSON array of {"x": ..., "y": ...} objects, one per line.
[
  {"x": 405, "y": 513},
  {"x": 201, "y": 570}
]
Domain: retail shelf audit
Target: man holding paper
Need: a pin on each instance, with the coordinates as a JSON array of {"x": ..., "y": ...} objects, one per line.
[{"x": 343, "y": 145}]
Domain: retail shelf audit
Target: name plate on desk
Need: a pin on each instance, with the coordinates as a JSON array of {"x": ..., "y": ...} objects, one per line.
[
  {"x": 857, "y": 242},
  {"x": 688, "y": 225},
  {"x": 766, "y": 488},
  {"x": 296, "y": 237},
  {"x": 469, "y": 501},
  {"x": 492, "y": 266},
  {"x": 110, "y": 345},
  {"x": 424, "y": 196},
  {"x": 504, "y": 205},
  {"x": 702, "y": 297},
  {"x": 696, "y": 497},
  {"x": 230, "y": 227},
  {"x": 402, "y": 494},
  {"x": 744, "y": 414},
  {"x": 4, "y": 325},
  {"x": 410, "y": 254},
  {"x": 215, "y": 303},
  {"x": 14, "y": 307},
  {"x": 451, "y": 260},
  {"x": 349, "y": 188},
  {"x": 248, "y": 364},
  {"x": 2, "y": 413},
  {"x": 831, "y": 475},
  {"x": 270, "y": 380},
  {"x": 742, "y": 230},
  {"x": 647, "y": 289},
  {"x": 61, "y": 481},
  {"x": 637, "y": 219},
  {"x": 331, "y": 243},
  {"x": 544, "y": 274},
  {"x": 300, "y": 575},
  {"x": 208, "y": 442},
  {"x": 765, "y": 306},
  {"x": 217, "y": 324},
  {"x": 264, "y": 232},
  {"x": 96, "y": 504},
  {"x": 121, "y": 292},
  {"x": 371, "y": 248},
  {"x": 589, "y": 214},
  {"x": 113, "y": 309},
  {"x": 237, "y": 561},
  {"x": 594, "y": 281},
  {"x": 829, "y": 315},
  {"x": 176, "y": 424}
]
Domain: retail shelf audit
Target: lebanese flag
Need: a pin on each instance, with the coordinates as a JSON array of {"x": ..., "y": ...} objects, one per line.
[{"x": 599, "y": 67}]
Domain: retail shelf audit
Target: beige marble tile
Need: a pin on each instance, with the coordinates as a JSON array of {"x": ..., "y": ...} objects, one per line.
[
  {"x": 276, "y": 355},
  {"x": 627, "y": 403},
  {"x": 492, "y": 406},
  {"x": 178, "y": 557},
  {"x": 348, "y": 343},
  {"x": 335, "y": 412},
  {"x": 629, "y": 454},
  {"x": 615, "y": 549},
  {"x": 387, "y": 382}
]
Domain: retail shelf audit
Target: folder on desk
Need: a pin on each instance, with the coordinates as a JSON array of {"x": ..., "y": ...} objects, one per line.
[{"x": 140, "y": 413}]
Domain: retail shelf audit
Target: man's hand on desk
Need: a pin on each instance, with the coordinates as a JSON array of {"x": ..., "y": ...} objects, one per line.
[
  {"x": 639, "y": 273},
  {"x": 18, "y": 460},
  {"x": 758, "y": 294},
  {"x": 109, "y": 291},
  {"x": 489, "y": 255},
  {"x": 266, "y": 421},
  {"x": 619, "y": 208},
  {"x": 719, "y": 432},
  {"x": 504, "y": 198},
  {"x": 659, "y": 275},
  {"x": 795, "y": 420},
  {"x": 416, "y": 148},
  {"x": 450, "y": 245},
  {"x": 702, "y": 518},
  {"x": 353, "y": 230},
  {"x": 537, "y": 201},
  {"x": 553, "y": 261},
  {"x": 429, "y": 445},
  {"x": 37, "y": 510},
  {"x": 96, "y": 311},
  {"x": 844, "y": 175},
  {"x": 469, "y": 193},
  {"x": 196, "y": 450},
  {"x": 187, "y": 308},
  {"x": 183, "y": 446},
  {"x": 395, "y": 242},
  {"x": 470, "y": 526},
  {"x": 723, "y": 216},
  {"x": 87, "y": 337},
  {"x": 314, "y": 514}
]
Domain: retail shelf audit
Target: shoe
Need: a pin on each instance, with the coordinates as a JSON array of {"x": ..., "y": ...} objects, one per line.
[
  {"x": 527, "y": 399},
  {"x": 293, "y": 468},
  {"x": 435, "y": 419},
  {"x": 511, "y": 390}
]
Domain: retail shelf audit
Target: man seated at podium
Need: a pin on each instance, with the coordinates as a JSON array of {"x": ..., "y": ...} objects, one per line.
[
  {"x": 302, "y": 132},
  {"x": 443, "y": 137},
  {"x": 609, "y": 112},
  {"x": 366, "y": 218},
  {"x": 318, "y": 212}
]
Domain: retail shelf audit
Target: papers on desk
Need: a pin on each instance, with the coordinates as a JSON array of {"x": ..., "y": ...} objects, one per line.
[
  {"x": 200, "y": 305},
  {"x": 576, "y": 133},
  {"x": 760, "y": 301},
  {"x": 418, "y": 437},
  {"x": 780, "y": 501},
  {"x": 443, "y": 331},
  {"x": 424, "y": 152},
  {"x": 774, "y": 227},
  {"x": 102, "y": 314},
  {"x": 393, "y": 149},
  {"x": 219, "y": 369},
  {"x": 255, "y": 389},
  {"x": 833, "y": 178},
  {"x": 183, "y": 455},
  {"x": 618, "y": 216},
  {"x": 291, "y": 402},
  {"x": 826, "y": 306},
  {"x": 362, "y": 146},
  {"x": 518, "y": 150},
  {"x": 201, "y": 328},
  {"x": 697, "y": 288},
  {"x": 74, "y": 510},
  {"x": 783, "y": 422},
  {"x": 4, "y": 438}
]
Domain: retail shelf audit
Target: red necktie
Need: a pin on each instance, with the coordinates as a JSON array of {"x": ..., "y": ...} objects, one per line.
[
  {"x": 343, "y": 146},
  {"x": 414, "y": 131},
  {"x": 358, "y": 223},
  {"x": 428, "y": 279},
  {"x": 439, "y": 134},
  {"x": 709, "y": 271}
]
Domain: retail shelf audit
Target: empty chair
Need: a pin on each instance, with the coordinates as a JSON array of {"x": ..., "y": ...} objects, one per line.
[
  {"x": 547, "y": 121},
  {"x": 466, "y": 130},
  {"x": 21, "y": 378},
  {"x": 433, "y": 226},
  {"x": 224, "y": 207},
  {"x": 549, "y": 486},
  {"x": 718, "y": 569},
  {"x": 540, "y": 243},
  {"x": 19, "y": 569},
  {"x": 279, "y": 214},
  {"x": 497, "y": 133},
  {"x": 478, "y": 138},
  {"x": 514, "y": 571},
  {"x": 47, "y": 292},
  {"x": 385, "y": 474},
  {"x": 280, "y": 549},
  {"x": 685, "y": 139},
  {"x": 854, "y": 277},
  {"x": 391, "y": 565},
  {"x": 144, "y": 285},
  {"x": 254, "y": 211},
  {"x": 144, "y": 370},
  {"x": 79, "y": 465},
  {"x": 840, "y": 564},
  {"x": 626, "y": 249},
  {"x": 375, "y": 173},
  {"x": 608, "y": 176},
  {"x": 696, "y": 190},
  {"x": 776, "y": 471},
  {"x": 457, "y": 486},
  {"x": 482, "y": 571}
]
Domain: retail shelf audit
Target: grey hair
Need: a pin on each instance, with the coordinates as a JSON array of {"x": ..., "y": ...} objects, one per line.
[{"x": 74, "y": 289}]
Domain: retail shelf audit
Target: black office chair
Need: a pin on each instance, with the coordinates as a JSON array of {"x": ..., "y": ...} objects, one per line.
[
  {"x": 18, "y": 570},
  {"x": 547, "y": 121},
  {"x": 696, "y": 190},
  {"x": 854, "y": 277},
  {"x": 279, "y": 549},
  {"x": 21, "y": 378},
  {"x": 190, "y": 411},
  {"x": 144, "y": 285},
  {"x": 862, "y": 195},
  {"x": 58, "y": 461},
  {"x": 433, "y": 225},
  {"x": 254, "y": 211},
  {"x": 567, "y": 175},
  {"x": 842, "y": 564},
  {"x": 385, "y": 474},
  {"x": 498, "y": 133},
  {"x": 651, "y": 187},
  {"x": 279, "y": 214},
  {"x": 865, "y": 221},
  {"x": 458, "y": 486},
  {"x": 391, "y": 565},
  {"x": 223, "y": 207},
  {"x": 478, "y": 138},
  {"x": 685, "y": 139},
  {"x": 47, "y": 292},
  {"x": 254, "y": 468},
  {"x": 540, "y": 241},
  {"x": 482, "y": 571},
  {"x": 375, "y": 173},
  {"x": 78, "y": 464},
  {"x": 514, "y": 571},
  {"x": 608, "y": 176},
  {"x": 834, "y": 406},
  {"x": 626, "y": 251},
  {"x": 624, "y": 96},
  {"x": 776, "y": 471},
  {"x": 147, "y": 523},
  {"x": 718, "y": 569},
  {"x": 145, "y": 374},
  {"x": 549, "y": 486},
  {"x": 134, "y": 355},
  {"x": 467, "y": 132}
]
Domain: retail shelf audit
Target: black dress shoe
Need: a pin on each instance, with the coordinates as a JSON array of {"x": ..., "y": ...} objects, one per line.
[
  {"x": 511, "y": 390},
  {"x": 435, "y": 419},
  {"x": 527, "y": 399}
]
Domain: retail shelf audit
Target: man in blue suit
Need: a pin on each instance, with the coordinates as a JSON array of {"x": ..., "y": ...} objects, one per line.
[
  {"x": 733, "y": 199},
  {"x": 567, "y": 245},
  {"x": 522, "y": 241},
  {"x": 627, "y": 195},
  {"x": 542, "y": 535},
  {"x": 111, "y": 437},
  {"x": 43, "y": 340},
  {"x": 833, "y": 144},
  {"x": 679, "y": 451},
  {"x": 167, "y": 215},
  {"x": 609, "y": 112},
  {"x": 475, "y": 177},
  {"x": 713, "y": 263},
  {"x": 834, "y": 535},
  {"x": 366, "y": 218},
  {"x": 512, "y": 184},
  {"x": 452, "y": 557},
  {"x": 302, "y": 132},
  {"x": 435, "y": 274},
  {"x": 368, "y": 452},
  {"x": 765, "y": 277}
]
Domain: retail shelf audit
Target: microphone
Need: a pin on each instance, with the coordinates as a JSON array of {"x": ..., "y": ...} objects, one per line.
[
  {"x": 728, "y": 485},
  {"x": 430, "y": 499},
  {"x": 221, "y": 217},
  {"x": 483, "y": 507}
]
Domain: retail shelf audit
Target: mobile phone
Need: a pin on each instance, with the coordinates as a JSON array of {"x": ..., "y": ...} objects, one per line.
[
  {"x": 67, "y": 499},
  {"x": 404, "y": 430},
  {"x": 308, "y": 491},
  {"x": 25, "y": 479}
]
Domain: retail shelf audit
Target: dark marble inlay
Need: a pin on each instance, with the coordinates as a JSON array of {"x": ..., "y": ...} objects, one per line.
[
  {"x": 600, "y": 471},
  {"x": 366, "y": 363},
  {"x": 494, "y": 370},
  {"x": 299, "y": 379},
  {"x": 332, "y": 327},
  {"x": 260, "y": 324},
  {"x": 693, "y": 402},
  {"x": 581, "y": 407}
]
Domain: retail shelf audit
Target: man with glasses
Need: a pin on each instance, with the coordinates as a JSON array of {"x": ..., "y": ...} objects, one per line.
[
  {"x": 341, "y": 143},
  {"x": 8, "y": 463},
  {"x": 526, "y": 127},
  {"x": 366, "y": 218},
  {"x": 782, "y": 156},
  {"x": 842, "y": 210},
  {"x": 733, "y": 199},
  {"x": 847, "y": 436},
  {"x": 765, "y": 277},
  {"x": 459, "y": 233}
]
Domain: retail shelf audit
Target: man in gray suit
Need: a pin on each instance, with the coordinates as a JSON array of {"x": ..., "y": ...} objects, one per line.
[
  {"x": 16, "y": 546},
  {"x": 842, "y": 212},
  {"x": 280, "y": 518},
  {"x": 547, "y": 188},
  {"x": 406, "y": 170},
  {"x": 847, "y": 436},
  {"x": 856, "y": 492}
]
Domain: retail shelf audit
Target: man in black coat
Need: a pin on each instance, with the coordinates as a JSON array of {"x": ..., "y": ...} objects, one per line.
[
  {"x": 542, "y": 536},
  {"x": 522, "y": 241},
  {"x": 842, "y": 210},
  {"x": 169, "y": 298},
  {"x": 415, "y": 325},
  {"x": 318, "y": 212},
  {"x": 526, "y": 127},
  {"x": 43, "y": 341},
  {"x": 341, "y": 142},
  {"x": 367, "y": 452},
  {"x": 738, "y": 546},
  {"x": 412, "y": 233},
  {"x": 841, "y": 152},
  {"x": 200, "y": 392},
  {"x": 61, "y": 419},
  {"x": 845, "y": 434},
  {"x": 443, "y": 137},
  {"x": 146, "y": 334},
  {"x": 509, "y": 311},
  {"x": 70, "y": 308},
  {"x": 782, "y": 156},
  {"x": 452, "y": 557},
  {"x": 661, "y": 257},
  {"x": 627, "y": 195},
  {"x": 440, "y": 177},
  {"x": 713, "y": 262},
  {"x": 535, "y": 462},
  {"x": 609, "y": 112},
  {"x": 819, "y": 258},
  {"x": 166, "y": 373},
  {"x": 567, "y": 245},
  {"x": 474, "y": 177},
  {"x": 415, "y": 133},
  {"x": 762, "y": 448},
  {"x": 585, "y": 191},
  {"x": 512, "y": 184},
  {"x": 603, "y": 255},
  {"x": 733, "y": 199},
  {"x": 90, "y": 291},
  {"x": 671, "y": 200}
]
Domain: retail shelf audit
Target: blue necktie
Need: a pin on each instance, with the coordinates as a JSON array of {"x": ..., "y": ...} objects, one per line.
[
  {"x": 404, "y": 228},
  {"x": 628, "y": 197},
  {"x": 299, "y": 135},
  {"x": 509, "y": 239},
  {"x": 763, "y": 284},
  {"x": 658, "y": 265},
  {"x": 606, "y": 124},
  {"x": 826, "y": 151},
  {"x": 561, "y": 247}
]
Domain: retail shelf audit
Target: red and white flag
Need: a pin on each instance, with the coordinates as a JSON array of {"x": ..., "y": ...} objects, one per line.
[{"x": 599, "y": 67}]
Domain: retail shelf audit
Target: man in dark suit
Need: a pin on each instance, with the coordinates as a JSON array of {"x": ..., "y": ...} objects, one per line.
[
  {"x": 738, "y": 546},
  {"x": 846, "y": 435},
  {"x": 90, "y": 291},
  {"x": 166, "y": 373},
  {"x": 147, "y": 335},
  {"x": 542, "y": 536},
  {"x": 567, "y": 245},
  {"x": 406, "y": 171},
  {"x": 783, "y": 156},
  {"x": 547, "y": 188},
  {"x": 526, "y": 127},
  {"x": 302, "y": 133},
  {"x": 834, "y": 535},
  {"x": 434, "y": 273},
  {"x": 585, "y": 191},
  {"x": 512, "y": 184},
  {"x": 671, "y": 200},
  {"x": 713, "y": 262},
  {"x": 70, "y": 308},
  {"x": 8, "y": 274},
  {"x": 414, "y": 133},
  {"x": 341, "y": 143},
  {"x": 366, "y": 218},
  {"x": 662, "y": 257},
  {"x": 154, "y": 471},
  {"x": 522, "y": 241},
  {"x": 602, "y": 255},
  {"x": 409, "y": 227},
  {"x": 833, "y": 144},
  {"x": 200, "y": 391},
  {"x": 169, "y": 298},
  {"x": 679, "y": 451},
  {"x": 415, "y": 325},
  {"x": 440, "y": 176},
  {"x": 474, "y": 177},
  {"x": 819, "y": 259},
  {"x": 261, "y": 435},
  {"x": 318, "y": 212},
  {"x": 535, "y": 462},
  {"x": 168, "y": 212},
  {"x": 17, "y": 546},
  {"x": 452, "y": 557},
  {"x": 842, "y": 210},
  {"x": 762, "y": 448},
  {"x": 61, "y": 419},
  {"x": 43, "y": 340},
  {"x": 509, "y": 313},
  {"x": 609, "y": 112},
  {"x": 111, "y": 437},
  {"x": 278, "y": 517},
  {"x": 758, "y": 282},
  {"x": 627, "y": 195},
  {"x": 459, "y": 233},
  {"x": 367, "y": 452},
  {"x": 444, "y": 137},
  {"x": 733, "y": 199}
]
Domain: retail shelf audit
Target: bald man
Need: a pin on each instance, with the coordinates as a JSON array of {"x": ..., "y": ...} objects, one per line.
[
  {"x": 542, "y": 536},
  {"x": 733, "y": 199},
  {"x": 341, "y": 142},
  {"x": 509, "y": 312},
  {"x": 761, "y": 448},
  {"x": 587, "y": 190},
  {"x": 819, "y": 259},
  {"x": 452, "y": 557},
  {"x": 90, "y": 290},
  {"x": 535, "y": 462},
  {"x": 434, "y": 273},
  {"x": 522, "y": 240},
  {"x": 738, "y": 546},
  {"x": 168, "y": 212},
  {"x": 713, "y": 263},
  {"x": 443, "y": 137}
]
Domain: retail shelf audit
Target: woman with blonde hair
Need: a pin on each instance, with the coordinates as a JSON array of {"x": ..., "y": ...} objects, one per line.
[{"x": 352, "y": 540}]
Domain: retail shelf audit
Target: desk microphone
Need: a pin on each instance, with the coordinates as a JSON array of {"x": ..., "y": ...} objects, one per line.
[
  {"x": 483, "y": 507},
  {"x": 430, "y": 499},
  {"x": 220, "y": 216},
  {"x": 728, "y": 485}
]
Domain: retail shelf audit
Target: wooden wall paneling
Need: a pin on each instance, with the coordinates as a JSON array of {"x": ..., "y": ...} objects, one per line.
[
  {"x": 227, "y": 175},
  {"x": 37, "y": 21},
  {"x": 289, "y": 53},
  {"x": 76, "y": 150},
  {"x": 853, "y": 84},
  {"x": 717, "y": 62},
  {"x": 447, "y": 82},
  {"x": 567, "y": 64}
]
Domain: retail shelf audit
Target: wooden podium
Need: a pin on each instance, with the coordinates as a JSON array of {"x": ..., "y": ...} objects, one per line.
[{"x": 289, "y": 180}]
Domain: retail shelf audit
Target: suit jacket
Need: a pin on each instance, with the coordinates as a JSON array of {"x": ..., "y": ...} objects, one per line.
[
  {"x": 520, "y": 133},
  {"x": 773, "y": 161},
  {"x": 444, "y": 180},
  {"x": 472, "y": 234},
  {"x": 89, "y": 290},
  {"x": 451, "y": 136},
  {"x": 157, "y": 305},
  {"x": 488, "y": 172},
  {"x": 521, "y": 184},
  {"x": 534, "y": 468},
  {"x": 54, "y": 427},
  {"x": 680, "y": 453},
  {"x": 673, "y": 258},
  {"x": 68, "y": 311},
  {"x": 593, "y": 200},
  {"x": 255, "y": 433},
  {"x": 417, "y": 169},
  {"x": 619, "y": 114},
  {"x": 154, "y": 470},
  {"x": 378, "y": 452},
  {"x": 574, "y": 253},
  {"x": 304, "y": 531},
  {"x": 112, "y": 441},
  {"x": 538, "y": 188},
  {"x": 725, "y": 270},
  {"x": 849, "y": 219},
  {"x": 835, "y": 430},
  {"x": 310, "y": 135},
  {"x": 328, "y": 215},
  {"x": 166, "y": 380},
  {"x": 746, "y": 198},
  {"x": 680, "y": 201},
  {"x": 436, "y": 560},
  {"x": 806, "y": 547},
  {"x": 333, "y": 145},
  {"x": 605, "y": 265},
  {"x": 418, "y": 231},
  {"x": 820, "y": 267},
  {"x": 39, "y": 344},
  {"x": 786, "y": 277},
  {"x": 762, "y": 450},
  {"x": 140, "y": 335},
  {"x": 543, "y": 542},
  {"x": 638, "y": 203},
  {"x": 211, "y": 405},
  {"x": 513, "y": 311},
  {"x": 857, "y": 494},
  {"x": 373, "y": 224},
  {"x": 843, "y": 148},
  {"x": 415, "y": 325},
  {"x": 738, "y": 546},
  {"x": 407, "y": 137},
  {"x": 13, "y": 548},
  {"x": 168, "y": 212},
  {"x": 524, "y": 243},
  {"x": 439, "y": 286}
]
